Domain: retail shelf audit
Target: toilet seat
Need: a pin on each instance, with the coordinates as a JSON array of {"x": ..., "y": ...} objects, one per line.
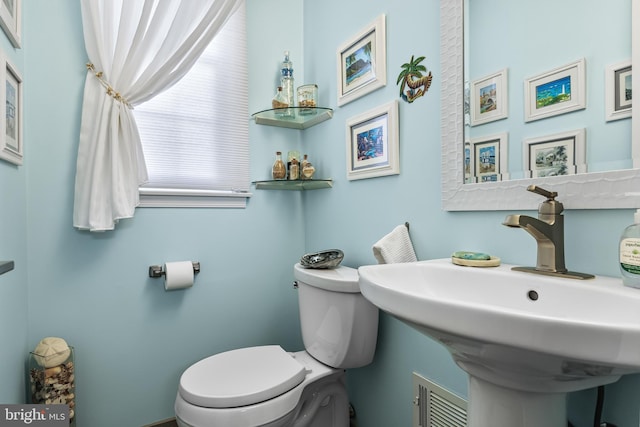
[
  {"x": 241, "y": 377},
  {"x": 259, "y": 414}
]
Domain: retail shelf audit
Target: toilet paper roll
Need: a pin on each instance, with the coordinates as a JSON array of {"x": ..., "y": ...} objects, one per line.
[{"x": 178, "y": 275}]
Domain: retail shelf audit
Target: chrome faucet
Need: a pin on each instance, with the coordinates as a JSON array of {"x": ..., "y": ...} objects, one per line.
[{"x": 548, "y": 230}]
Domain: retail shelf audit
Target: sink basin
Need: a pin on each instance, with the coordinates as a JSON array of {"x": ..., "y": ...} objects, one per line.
[{"x": 523, "y": 338}]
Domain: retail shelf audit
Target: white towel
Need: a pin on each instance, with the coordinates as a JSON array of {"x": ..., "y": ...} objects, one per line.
[{"x": 395, "y": 247}]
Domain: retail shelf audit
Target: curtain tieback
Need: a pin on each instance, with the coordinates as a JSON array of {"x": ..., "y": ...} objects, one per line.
[{"x": 110, "y": 90}]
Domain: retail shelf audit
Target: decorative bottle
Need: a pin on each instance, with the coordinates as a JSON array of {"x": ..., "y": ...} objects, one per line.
[
  {"x": 279, "y": 101},
  {"x": 630, "y": 253},
  {"x": 306, "y": 168},
  {"x": 286, "y": 80},
  {"x": 294, "y": 170},
  {"x": 279, "y": 170},
  {"x": 293, "y": 165}
]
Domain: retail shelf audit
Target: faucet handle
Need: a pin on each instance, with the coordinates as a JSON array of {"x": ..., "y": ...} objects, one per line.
[
  {"x": 550, "y": 195},
  {"x": 550, "y": 206}
]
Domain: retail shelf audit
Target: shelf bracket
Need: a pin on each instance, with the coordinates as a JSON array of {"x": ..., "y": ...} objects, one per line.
[{"x": 6, "y": 266}]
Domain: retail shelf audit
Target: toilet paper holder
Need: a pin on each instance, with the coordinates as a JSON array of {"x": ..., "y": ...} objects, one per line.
[{"x": 157, "y": 271}]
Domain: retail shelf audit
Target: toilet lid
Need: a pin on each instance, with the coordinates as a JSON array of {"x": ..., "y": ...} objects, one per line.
[{"x": 241, "y": 377}]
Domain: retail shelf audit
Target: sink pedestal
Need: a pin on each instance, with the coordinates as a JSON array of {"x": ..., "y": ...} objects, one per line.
[{"x": 494, "y": 406}]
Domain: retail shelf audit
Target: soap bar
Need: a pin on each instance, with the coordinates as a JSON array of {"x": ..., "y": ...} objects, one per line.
[{"x": 471, "y": 255}]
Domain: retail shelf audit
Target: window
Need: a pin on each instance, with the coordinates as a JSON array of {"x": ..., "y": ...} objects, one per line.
[{"x": 195, "y": 136}]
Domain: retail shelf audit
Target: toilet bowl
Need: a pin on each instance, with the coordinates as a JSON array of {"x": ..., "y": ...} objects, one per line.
[
  {"x": 275, "y": 408},
  {"x": 266, "y": 386}
]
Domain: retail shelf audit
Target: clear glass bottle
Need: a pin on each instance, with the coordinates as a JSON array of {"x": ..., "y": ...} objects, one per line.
[
  {"x": 306, "y": 168},
  {"x": 630, "y": 253},
  {"x": 294, "y": 170},
  {"x": 308, "y": 98},
  {"x": 279, "y": 170},
  {"x": 291, "y": 155},
  {"x": 286, "y": 80},
  {"x": 279, "y": 101}
]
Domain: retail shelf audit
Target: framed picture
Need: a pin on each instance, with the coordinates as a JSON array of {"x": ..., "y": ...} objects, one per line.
[
  {"x": 618, "y": 91},
  {"x": 362, "y": 62},
  {"x": 11, "y": 20},
  {"x": 553, "y": 155},
  {"x": 555, "y": 92},
  {"x": 372, "y": 143},
  {"x": 488, "y": 156},
  {"x": 489, "y": 98},
  {"x": 11, "y": 142}
]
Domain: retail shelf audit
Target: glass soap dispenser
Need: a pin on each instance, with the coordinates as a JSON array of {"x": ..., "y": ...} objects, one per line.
[{"x": 630, "y": 253}]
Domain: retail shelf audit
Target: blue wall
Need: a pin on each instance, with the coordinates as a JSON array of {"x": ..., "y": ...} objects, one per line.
[
  {"x": 13, "y": 285},
  {"x": 355, "y": 214},
  {"x": 132, "y": 339}
]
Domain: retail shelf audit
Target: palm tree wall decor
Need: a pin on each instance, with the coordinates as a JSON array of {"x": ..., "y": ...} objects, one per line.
[{"x": 412, "y": 79}]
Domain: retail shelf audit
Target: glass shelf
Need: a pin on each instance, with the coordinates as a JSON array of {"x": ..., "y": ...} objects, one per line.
[
  {"x": 299, "y": 185},
  {"x": 293, "y": 117}
]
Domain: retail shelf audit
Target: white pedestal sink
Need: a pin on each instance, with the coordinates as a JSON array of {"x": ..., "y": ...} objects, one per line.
[{"x": 524, "y": 339}]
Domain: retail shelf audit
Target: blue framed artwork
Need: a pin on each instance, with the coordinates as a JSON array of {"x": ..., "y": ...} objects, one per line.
[
  {"x": 559, "y": 91},
  {"x": 489, "y": 156}
]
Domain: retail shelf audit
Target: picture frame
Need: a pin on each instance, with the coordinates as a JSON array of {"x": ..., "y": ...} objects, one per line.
[
  {"x": 489, "y": 98},
  {"x": 11, "y": 139},
  {"x": 618, "y": 94},
  {"x": 468, "y": 166},
  {"x": 362, "y": 62},
  {"x": 11, "y": 21},
  {"x": 554, "y": 155},
  {"x": 372, "y": 142},
  {"x": 559, "y": 91},
  {"x": 489, "y": 157}
]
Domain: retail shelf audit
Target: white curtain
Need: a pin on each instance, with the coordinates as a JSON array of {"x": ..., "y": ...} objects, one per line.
[{"x": 136, "y": 49}]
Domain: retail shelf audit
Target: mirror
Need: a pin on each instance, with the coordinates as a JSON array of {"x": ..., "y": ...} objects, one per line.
[
  {"x": 552, "y": 48},
  {"x": 593, "y": 190}
]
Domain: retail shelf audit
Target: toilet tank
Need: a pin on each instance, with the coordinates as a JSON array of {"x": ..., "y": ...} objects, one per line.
[{"x": 339, "y": 326}]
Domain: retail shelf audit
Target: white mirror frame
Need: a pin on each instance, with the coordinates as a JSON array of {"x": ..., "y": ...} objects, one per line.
[{"x": 599, "y": 190}]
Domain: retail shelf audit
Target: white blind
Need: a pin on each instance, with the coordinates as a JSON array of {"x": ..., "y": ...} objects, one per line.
[{"x": 195, "y": 135}]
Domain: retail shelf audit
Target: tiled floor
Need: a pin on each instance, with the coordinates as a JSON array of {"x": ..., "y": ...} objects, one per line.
[
  {"x": 166, "y": 423},
  {"x": 172, "y": 423}
]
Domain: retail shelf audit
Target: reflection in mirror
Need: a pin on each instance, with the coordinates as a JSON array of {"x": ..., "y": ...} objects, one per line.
[
  {"x": 559, "y": 51},
  {"x": 610, "y": 180}
]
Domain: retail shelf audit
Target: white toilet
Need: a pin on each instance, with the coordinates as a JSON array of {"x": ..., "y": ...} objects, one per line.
[{"x": 268, "y": 387}]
